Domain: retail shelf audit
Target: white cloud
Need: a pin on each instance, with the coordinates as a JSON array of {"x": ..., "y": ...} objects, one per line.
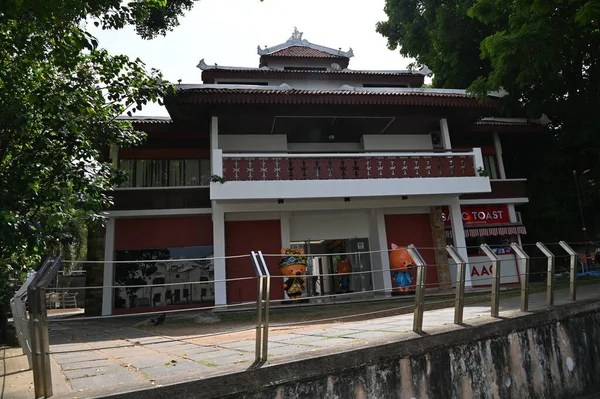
[{"x": 227, "y": 32}]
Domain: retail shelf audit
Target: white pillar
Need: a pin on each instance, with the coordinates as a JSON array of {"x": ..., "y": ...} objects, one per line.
[
  {"x": 214, "y": 133},
  {"x": 109, "y": 268},
  {"x": 218, "y": 218},
  {"x": 458, "y": 234},
  {"x": 445, "y": 134},
  {"x": 498, "y": 146},
  {"x": 284, "y": 223},
  {"x": 380, "y": 261},
  {"x": 512, "y": 213}
]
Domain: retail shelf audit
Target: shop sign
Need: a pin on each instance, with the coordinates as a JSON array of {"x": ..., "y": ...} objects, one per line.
[
  {"x": 479, "y": 215},
  {"x": 481, "y": 270}
]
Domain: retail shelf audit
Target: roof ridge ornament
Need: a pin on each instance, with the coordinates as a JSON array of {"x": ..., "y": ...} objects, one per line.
[
  {"x": 296, "y": 35},
  {"x": 297, "y": 40}
]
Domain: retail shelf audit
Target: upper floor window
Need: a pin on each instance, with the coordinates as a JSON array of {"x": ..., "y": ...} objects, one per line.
[
  {"x": 165, "y": 172},
  {"x": 489, "y": 164}
]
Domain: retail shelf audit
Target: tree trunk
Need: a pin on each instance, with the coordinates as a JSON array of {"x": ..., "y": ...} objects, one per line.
[{"x": 439, "y": 242}]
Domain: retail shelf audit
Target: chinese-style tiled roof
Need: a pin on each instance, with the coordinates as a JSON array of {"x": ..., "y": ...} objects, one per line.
[
  {"x": 513, "y": 125},
  {"x": 147, "y": 119},
  {"x": 345, "y": 95},
  {"x": 303, "y": 52},
  {"x": 503, "y": 123},
  {"x": 295, "y": 46}
]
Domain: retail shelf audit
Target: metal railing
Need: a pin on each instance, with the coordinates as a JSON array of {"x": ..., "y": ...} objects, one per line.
[
  {"x": 33, "y": 330},
  {"x": 262, "y": 306},
  {"x": 21, "y": 320},
  {"x": 38, "y": 325}
]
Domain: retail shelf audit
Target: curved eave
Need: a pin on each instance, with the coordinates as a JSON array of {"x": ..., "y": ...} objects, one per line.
[
  {"x": 333, "y": 97},
  {"x": 414, "y": 80},
  {"x": 508, "y": 127}
]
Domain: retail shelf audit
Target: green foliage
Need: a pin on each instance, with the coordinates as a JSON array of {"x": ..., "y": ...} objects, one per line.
[
  {"x": 546, "y": 55},
  {"x": 60, "y": 96},
  {"x": 439, "y": 34}
]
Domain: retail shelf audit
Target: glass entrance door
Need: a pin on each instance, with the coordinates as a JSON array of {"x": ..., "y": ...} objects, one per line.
[{"x": 337, "y": 266}]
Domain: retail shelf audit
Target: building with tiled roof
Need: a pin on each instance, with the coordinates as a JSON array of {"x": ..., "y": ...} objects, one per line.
[{"x": 301, "y": 151}]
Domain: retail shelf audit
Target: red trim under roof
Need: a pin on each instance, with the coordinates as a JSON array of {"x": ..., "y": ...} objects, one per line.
[
  {"x": 343, "y": 97},
  {"x": 503, "y": 126},
  {"x": 412, "y": 79}
]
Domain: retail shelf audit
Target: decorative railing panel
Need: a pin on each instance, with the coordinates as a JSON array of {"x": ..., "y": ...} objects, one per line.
[{"x": 290, "y": 167}]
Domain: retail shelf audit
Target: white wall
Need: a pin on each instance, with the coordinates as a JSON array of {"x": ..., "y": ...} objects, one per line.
[
  {"x": 324, "y": 147},
  {"x": 253, "y": 143},
  {"x": 329, "y": 225},
  {"x": 396, "y": 142}
]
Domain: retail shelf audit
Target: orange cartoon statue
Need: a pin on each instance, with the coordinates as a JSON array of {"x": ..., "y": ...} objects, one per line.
[
  {"x": 293, "y": 266},
  {"x": 401, "y": 262},
  {"x": 344, "y": 268}
]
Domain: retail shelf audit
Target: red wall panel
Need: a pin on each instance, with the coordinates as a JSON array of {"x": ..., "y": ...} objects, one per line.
[
  {"x": 415, "y": 229},
  {"x": 161, "y": 232},
  {"x": 240, "y": 239}
]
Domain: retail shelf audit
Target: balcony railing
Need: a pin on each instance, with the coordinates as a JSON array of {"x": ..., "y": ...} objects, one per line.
[{"x": 274, "y": 167}]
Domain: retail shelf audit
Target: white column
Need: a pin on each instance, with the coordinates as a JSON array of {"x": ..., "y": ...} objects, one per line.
[
  {"x": 109, "y": 268},
  {"x": 512, "y": 213},
  {"x": 214, "y": 132},
  {"x": 284, "y": 223},
  {"x": 498, "y": 146},
  {"x": 218, "y": 218},
  {"x": 380, "y": 260},
  {"x": 445, "y": 134},
  {"x": 458, "y": 234}
]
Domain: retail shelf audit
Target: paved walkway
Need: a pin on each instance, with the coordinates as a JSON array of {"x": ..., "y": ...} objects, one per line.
[{"x": 100, "y": 357}]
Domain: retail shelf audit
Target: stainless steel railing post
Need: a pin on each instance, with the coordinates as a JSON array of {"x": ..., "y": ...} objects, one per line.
[
  {"x": 495, "y": 279},
  {"x": 550, "y": 276},
  {"x": 524, "y": 276},
  {"x": 459, "y": 302},
  {"x": 572, "y": 270},
  {"x": 419, "y": 289},
  {"x": 259, "y": 306},
  {"x": 267, "y": 296}
]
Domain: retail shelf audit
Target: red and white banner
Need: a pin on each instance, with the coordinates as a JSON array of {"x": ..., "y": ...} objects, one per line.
[{"x": 479, "y": 215}]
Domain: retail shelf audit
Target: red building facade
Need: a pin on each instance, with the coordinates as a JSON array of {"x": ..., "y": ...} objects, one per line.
[{"x": 304, "y": 152}]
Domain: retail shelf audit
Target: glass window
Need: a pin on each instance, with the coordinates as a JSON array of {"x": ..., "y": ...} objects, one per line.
[
  {"x": 489, "y": 163},
  {"x": 165, "y": 172}
]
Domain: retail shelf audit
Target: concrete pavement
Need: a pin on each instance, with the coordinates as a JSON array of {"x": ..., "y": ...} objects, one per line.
[{"x": 95, "y": 359}]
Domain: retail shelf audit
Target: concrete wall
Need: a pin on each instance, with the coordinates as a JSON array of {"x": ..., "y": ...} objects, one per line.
[
  {"x": 257, "y": 143},
  {"x": 544, "y": 355},
  {"x": 552, "y": 354},
  {"x": 397, "y": 142},
  {"x": 261, "y": 143}
]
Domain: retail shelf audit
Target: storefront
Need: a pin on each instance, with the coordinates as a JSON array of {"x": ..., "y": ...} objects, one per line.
[{"x": 492, "y": 225}]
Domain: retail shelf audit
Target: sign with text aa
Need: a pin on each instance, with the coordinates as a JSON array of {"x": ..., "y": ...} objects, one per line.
[
  {"x": 479, "y": 215},
  {"x": 481, "y": 270}
]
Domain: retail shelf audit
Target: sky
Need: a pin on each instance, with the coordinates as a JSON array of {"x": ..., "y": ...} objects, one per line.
[{"x": 227, "y": 32}]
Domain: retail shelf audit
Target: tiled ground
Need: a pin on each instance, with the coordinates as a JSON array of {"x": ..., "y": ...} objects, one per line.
[{"x": 111, "y": 357}]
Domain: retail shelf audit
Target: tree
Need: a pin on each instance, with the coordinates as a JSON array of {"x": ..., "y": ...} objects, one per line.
[
  {"x": 60, "y": 96},
  {"x": 545, "y": 54},
  {"x": 440, "y": 35}
]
